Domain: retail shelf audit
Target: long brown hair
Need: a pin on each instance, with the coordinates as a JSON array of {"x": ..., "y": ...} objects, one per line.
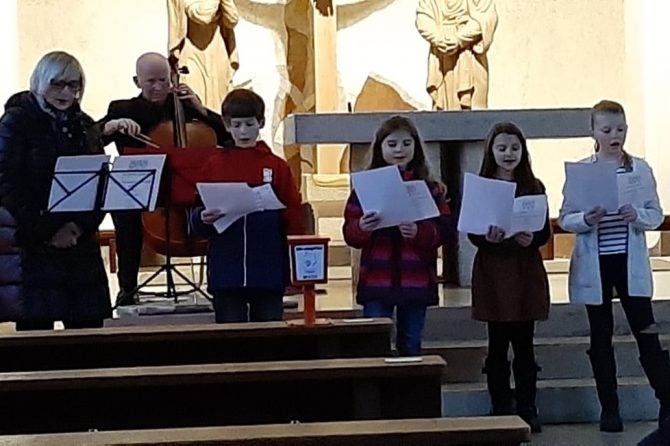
[
  {"x": 612, "y": 108},
  {"x": 418, "y": 165},
  {"x": 523, "y": 173}
]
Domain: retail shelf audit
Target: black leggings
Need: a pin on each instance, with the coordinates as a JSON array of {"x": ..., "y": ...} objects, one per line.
[
  {"x": 614, "y": 275},
  {"x": 519, "y": 334}
]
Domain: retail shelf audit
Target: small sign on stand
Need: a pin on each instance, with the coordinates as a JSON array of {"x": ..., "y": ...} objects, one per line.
[{"x": 309, "y": 266}]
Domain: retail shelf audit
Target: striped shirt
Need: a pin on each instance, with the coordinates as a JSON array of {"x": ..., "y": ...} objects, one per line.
[{"x": 613, "y": 232}]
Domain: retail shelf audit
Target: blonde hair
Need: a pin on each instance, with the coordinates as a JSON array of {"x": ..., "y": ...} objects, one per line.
[
  {"x": 55, "y": 65},
  {"x": 611, "y": 108}
]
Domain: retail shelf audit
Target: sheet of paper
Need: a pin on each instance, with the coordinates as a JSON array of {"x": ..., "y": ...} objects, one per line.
[
  {"x": 635, "y": 188},
  {"x": 134, "y": 182},
  {"x": 230, "y": 198},
  {"x": 529, "y": 213},
  {"x": 422, "y": 200},
  {"x": 236, "y": 200},
  {"x": 486, "y": 202},
  {"x": 588, "y": 185},
  {"x": 267, "y": 199},
  {"x": 383, "y": 190},
  {"x": 75, "y": 184}
]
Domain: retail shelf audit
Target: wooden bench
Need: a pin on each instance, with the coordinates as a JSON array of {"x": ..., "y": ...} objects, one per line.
[
  {"x": 192, "y": 344},
  {"x": 498, "y": 431},
  {"x": 219, "y": 395}
]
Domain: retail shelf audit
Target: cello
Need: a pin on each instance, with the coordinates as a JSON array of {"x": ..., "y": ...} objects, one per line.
[{"x": 187, "y": 145}]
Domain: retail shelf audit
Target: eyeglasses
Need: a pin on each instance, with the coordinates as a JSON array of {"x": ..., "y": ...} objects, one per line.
[{"x": 74, "y": 86}]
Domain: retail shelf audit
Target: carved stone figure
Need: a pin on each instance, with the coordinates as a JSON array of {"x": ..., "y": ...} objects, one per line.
[
  {"x": 201, "y": 37},
  {"x": 293, "y": 23},
  {"x": 460, "y": 33}
]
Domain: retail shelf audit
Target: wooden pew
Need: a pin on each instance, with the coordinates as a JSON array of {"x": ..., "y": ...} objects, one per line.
[
  {"x": 498, "y": 431},
  {"x": 219, "y": 395},
  {"x": 192, "y": 344}
]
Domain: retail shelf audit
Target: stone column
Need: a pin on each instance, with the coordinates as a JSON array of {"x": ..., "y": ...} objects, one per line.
[
  {"x": 459, "y": 158},
  {"x": 328, "y": 156}
]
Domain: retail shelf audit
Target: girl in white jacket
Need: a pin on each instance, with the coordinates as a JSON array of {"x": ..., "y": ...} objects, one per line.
[{"x": 610, "y": 259}]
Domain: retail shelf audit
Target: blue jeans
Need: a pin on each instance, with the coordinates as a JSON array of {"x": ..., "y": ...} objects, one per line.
[
  {"x": 410, "y": 320},
  {"x": 248, "y": 305}
]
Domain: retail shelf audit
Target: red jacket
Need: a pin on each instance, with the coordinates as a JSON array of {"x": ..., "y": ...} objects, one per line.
[
  {"x": 394, "y": 269},
  {"x": 253, "y": 251},
  {"x": 238, "y": 165}
]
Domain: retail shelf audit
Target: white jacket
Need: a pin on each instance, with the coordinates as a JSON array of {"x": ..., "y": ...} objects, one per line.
[{"x": 584, "y": 285}]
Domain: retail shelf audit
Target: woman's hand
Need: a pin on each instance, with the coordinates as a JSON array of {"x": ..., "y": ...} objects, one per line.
[
  {"x": 66, "y": 236},
  {"x": 369, "y": 221},
  {"x": 122, "y": 125},
  {"x": 495, "y": 234},
  {"x": 209, "y": 216}
]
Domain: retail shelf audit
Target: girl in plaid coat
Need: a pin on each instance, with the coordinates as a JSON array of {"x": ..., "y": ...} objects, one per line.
[{"x": 398, "y": 264}]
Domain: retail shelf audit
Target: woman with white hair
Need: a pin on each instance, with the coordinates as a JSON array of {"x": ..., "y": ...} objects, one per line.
[{"x": 63, "y": 273}]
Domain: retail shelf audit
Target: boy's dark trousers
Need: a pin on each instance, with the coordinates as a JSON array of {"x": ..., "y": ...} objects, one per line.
[
  {"x": 248, "y": 305},
  {"x": 654, "y": 360}
]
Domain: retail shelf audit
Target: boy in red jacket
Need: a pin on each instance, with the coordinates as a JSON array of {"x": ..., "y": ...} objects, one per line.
[{"x": 248, "y": 264}]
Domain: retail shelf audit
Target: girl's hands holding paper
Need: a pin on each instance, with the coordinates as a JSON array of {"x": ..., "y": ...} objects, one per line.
[
  {"x": 594, "y": 216},
  {"x": 628, "y": 213},
  {"x": 495, "y": 234},
  {"x": 209, "y": 216},
  {"x": 369, "y": 221},
  {"x": 408, "y": 230},
  {"x": 524, "y": 238}
]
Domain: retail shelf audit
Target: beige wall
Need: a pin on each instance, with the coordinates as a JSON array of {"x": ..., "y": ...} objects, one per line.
[
  {"x": 106, "y": 37},
  {"x": 546, "y": 53}
]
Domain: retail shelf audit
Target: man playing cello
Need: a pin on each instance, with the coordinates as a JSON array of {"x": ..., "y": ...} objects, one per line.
[{"x": 125, "y": 124}]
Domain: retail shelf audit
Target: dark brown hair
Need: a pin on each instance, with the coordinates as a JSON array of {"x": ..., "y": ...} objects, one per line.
[
  {"x": 523, "y": 173},
  {"x": 418, "y": 165},
  {"x": 243, "y": 103},
  {"x": 608, "y": 107}
]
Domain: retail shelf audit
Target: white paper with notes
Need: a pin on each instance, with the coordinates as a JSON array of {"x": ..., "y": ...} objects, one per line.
[
  {"x": 529, "y": 214},
  {"x": 236, "y": 200}
]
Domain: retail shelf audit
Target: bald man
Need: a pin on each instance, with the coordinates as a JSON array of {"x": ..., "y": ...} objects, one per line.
[{"x": 140, "y": 115}]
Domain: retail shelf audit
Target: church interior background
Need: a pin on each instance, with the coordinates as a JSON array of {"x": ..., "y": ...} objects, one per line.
[{"x": 369, "y": 56}]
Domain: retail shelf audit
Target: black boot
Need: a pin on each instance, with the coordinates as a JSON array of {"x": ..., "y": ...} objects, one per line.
[
  {"x": 497, "y": 380},
  {"x": 657, "y": 368},
  {"x": 125, "y": 298},
  {"x": 660, "y": 437},
  {"x": 604, "y": 373},
  {"x": 525, "y": 385}
]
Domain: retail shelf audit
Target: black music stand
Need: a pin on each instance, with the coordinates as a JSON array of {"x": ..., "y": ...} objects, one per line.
[
  {"x": 169, "y": 267},
  {"x": 105, "y": 178}
]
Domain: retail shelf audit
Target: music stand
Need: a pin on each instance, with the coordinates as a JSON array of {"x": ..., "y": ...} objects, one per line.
[
  {"x": 61, "y": 197},
  {"x": 105, "y": 179},
  {"x": 180, "y": 194}
]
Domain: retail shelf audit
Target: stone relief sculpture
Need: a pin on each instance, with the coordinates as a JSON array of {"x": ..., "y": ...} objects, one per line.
[
  {"x": 201, "y": 37},
  {"x": 460, "y": 33},
  {"x": 293, "y": 22}
]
